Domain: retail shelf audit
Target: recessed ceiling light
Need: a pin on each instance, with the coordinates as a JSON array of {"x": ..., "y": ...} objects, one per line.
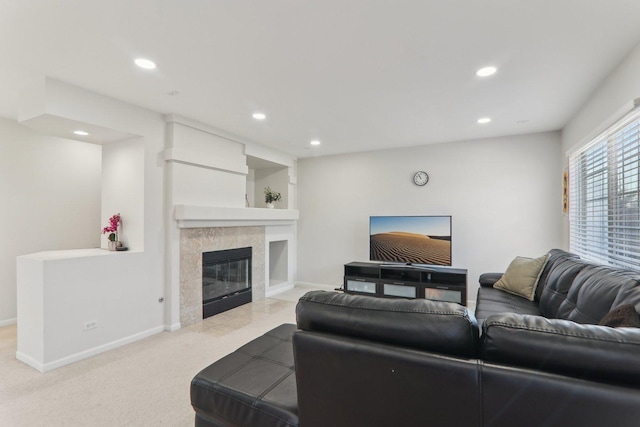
[
  {"x": 259, "y": 116},
  {"x": 484, "y": 120},
  {"x": 315, "y": 142},
  {"x": 145, "y": 63},
  {"x": 486, "y": 71},
  {"x": 81, "y": 133}
]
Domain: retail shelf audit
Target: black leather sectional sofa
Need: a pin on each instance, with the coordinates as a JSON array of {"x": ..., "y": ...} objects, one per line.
[{"x": 363, "y": 361}]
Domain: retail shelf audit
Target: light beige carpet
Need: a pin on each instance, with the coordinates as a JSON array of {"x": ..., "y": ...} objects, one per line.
[{"x": 141, "y": 384}]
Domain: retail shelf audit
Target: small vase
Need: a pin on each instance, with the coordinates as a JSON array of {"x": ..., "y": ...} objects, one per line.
[
  {"x": 270, "y": 205},
  {"x": 111, "y": 245}
]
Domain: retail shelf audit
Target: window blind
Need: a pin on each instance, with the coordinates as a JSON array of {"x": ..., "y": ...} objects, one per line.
[{"x": 604, "y": 210}]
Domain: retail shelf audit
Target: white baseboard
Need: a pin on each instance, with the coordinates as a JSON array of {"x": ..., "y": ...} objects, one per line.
[
  {"x": 29, "y": 361},
  {"x": 67, "y": 360},
  {"x": 318, "y": 285},
  {"x": 8, "y": 322},
  {"x": 173, "y": 327},
  {"x": 275, "y": 290}
]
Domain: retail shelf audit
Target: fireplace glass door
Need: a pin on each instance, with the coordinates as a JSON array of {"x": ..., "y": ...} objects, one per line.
[
  {"x": 222, "y": 279},
  {"x": 226, "y": 280}
]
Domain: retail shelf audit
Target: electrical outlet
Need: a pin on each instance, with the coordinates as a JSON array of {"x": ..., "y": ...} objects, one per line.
[{"x": 92, "y": 324}]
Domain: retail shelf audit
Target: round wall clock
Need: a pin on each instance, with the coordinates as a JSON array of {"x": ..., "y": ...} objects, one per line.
[{"x": 420, "y": 178}]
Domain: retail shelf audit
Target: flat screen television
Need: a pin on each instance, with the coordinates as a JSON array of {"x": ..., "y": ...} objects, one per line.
[{"x": 410, "y": 239}]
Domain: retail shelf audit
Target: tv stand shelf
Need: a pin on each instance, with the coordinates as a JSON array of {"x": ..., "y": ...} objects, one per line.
[{"x": 406, "y": 281}]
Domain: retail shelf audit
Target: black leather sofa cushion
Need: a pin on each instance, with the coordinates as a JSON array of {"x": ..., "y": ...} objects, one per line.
[
  {"x": 596, "y": 290},
  {"x": 436, "y": 326},
  {"x": 531, "y": 398},
  {"x": 558, "y": 282},
  {"x": 573, "y": 289},
  {"x": 610, "y": 355},
  {"x": 556, "y": 256},
  {"x": 351, "y": 382},
  {"x": 494, "y": 301},
  {"x": 253, "y": 386}
]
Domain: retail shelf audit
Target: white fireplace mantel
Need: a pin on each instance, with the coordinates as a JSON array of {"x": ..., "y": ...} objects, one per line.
[{"x": 189, "y": 216}]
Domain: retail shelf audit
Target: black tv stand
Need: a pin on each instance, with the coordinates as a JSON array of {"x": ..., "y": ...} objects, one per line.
[
  {"x": 406, "y": 281},
  {"x": 407, "y": 265}
]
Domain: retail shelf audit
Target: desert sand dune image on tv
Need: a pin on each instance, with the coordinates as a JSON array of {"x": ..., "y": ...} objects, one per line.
[{"x": 396, "y": 245}]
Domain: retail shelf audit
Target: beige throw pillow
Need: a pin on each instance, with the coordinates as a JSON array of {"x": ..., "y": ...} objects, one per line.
[{"x": 521, "y": 277}]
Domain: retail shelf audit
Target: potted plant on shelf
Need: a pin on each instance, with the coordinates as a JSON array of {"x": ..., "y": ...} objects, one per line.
[
  {"x": 112, "y": 229},
  {"x": 271, "y": 197}
]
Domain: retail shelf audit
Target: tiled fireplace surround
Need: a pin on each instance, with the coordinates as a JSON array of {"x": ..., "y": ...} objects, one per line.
[{"x": 195, "y": 241}]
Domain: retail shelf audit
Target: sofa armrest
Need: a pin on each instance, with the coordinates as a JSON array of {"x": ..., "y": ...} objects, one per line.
[
  {"x": 488, "y": 279},
  {"x": 442, "y": 327},
  {"x": 563, "y": 347}
]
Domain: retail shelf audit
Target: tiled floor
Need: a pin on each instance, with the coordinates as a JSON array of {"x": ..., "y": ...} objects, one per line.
[{"x": 141, "y": 384}]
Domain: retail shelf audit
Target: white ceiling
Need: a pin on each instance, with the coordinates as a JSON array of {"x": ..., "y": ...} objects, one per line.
[{"x": 355, "y": 74}]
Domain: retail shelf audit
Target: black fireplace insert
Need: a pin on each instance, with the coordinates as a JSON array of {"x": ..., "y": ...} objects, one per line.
[{"x": 226, "y": 280}]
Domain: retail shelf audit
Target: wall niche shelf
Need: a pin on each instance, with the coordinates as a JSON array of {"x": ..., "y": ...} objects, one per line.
[{"x": 263, "y": 173}]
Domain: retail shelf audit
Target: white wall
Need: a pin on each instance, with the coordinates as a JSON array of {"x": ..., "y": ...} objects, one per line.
[
  {"x": 504, "y": 195},
  {"x": 205, "y": 169},
  {"x": 610, "y": 101},
  {"x": 123, "y": 190},
  {"x": 59, "y": 292},
  {"x": 88, "y": 107},
  {"x": 251, "y": 188},
  {"x": 50, "y": 192},
  {"x": 71, "y": 104}
]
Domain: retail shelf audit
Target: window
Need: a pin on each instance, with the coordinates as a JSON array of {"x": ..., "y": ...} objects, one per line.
[{"x": 604, "y": 210}]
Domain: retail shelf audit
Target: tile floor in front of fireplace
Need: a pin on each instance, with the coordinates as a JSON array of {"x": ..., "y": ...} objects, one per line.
[{"x": 141, "y": 384}]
